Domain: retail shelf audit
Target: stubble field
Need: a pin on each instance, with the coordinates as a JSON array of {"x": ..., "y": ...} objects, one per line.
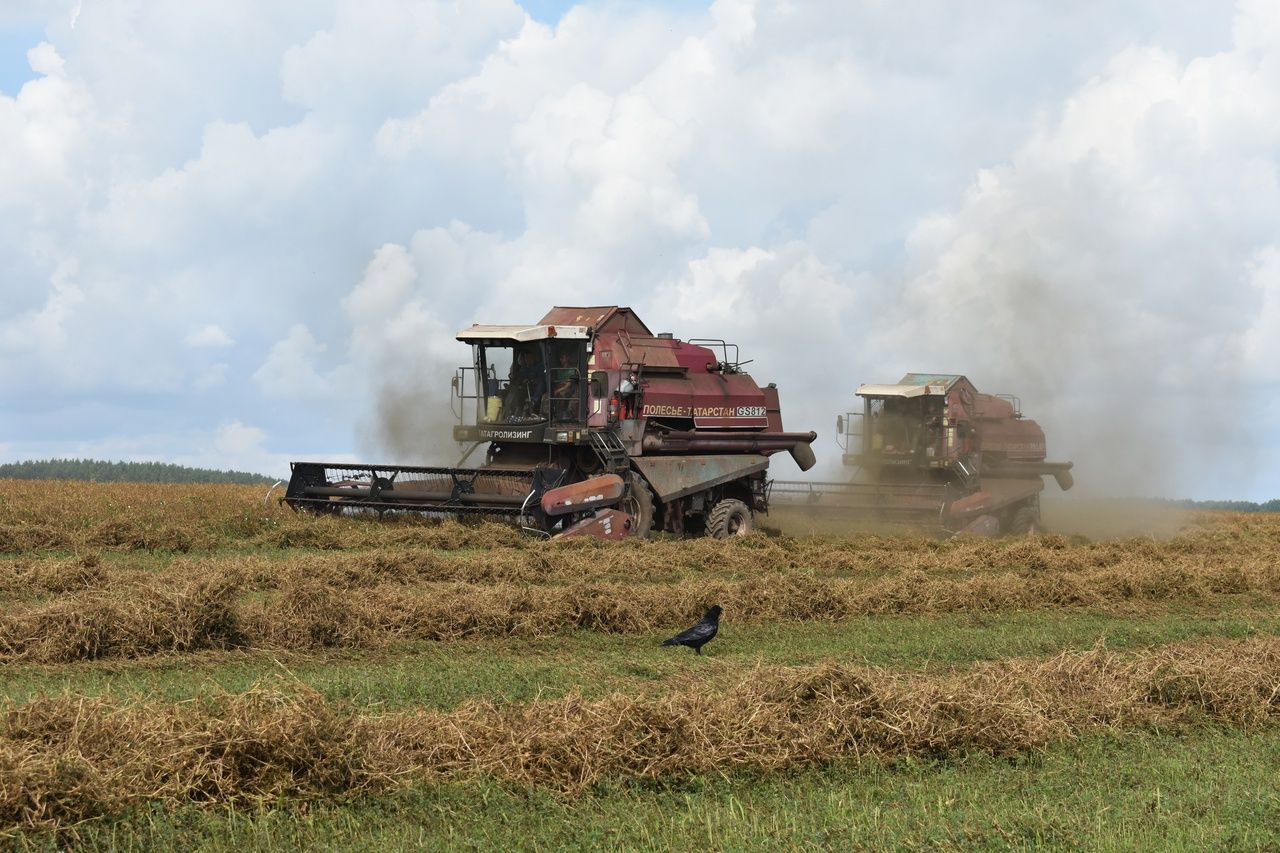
[{"x": 194, "y": 667}]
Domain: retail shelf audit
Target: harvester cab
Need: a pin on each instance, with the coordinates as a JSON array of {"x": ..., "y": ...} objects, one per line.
[
  {"x": 920, "y": 424},
  {"x": 593, "y": 425},
  {"x": 528, "y": 385},
  {"x": 932, "y": 451}
]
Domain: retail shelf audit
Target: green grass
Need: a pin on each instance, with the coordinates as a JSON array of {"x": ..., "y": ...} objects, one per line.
[
  {"x": 440, "y": 675},
  {"x": 1213, "y": 790}
]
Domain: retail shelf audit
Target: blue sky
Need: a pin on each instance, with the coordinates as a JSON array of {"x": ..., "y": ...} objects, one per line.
[
  {"x": 551, "y": 11},
  {"x": 237, "y": 234},
  {"x": 14, "y": 44}
]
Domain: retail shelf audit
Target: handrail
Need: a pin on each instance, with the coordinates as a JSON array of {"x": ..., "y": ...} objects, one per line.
[{"x": 730, "y": 365}]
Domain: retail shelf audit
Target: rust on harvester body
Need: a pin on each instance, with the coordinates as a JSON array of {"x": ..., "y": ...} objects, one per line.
[
  {"x": 932, "y": 451},
  {"x": 592, "y": 425}
]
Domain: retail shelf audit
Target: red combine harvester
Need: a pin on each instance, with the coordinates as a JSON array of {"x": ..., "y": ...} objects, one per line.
[
  {"x": 933, "y": 452},
  {"x": 594, "y": 426}
]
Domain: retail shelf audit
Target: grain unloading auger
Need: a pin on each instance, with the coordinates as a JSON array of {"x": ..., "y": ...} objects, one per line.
[
  {"x": 931, "y": 451},
  {"x": 594, "y": 426}
]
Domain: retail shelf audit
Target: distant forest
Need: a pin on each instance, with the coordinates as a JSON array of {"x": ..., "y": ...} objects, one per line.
[
  {"x": 125, "y": 472},
  {"x": 1234, "y": 506}
]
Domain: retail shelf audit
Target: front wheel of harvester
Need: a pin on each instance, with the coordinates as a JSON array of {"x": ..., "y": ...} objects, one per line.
[
  {"x": 1024, "y": 522},
  {"x": 638, "y": 504},
  {"x": 729, "y": 517}
]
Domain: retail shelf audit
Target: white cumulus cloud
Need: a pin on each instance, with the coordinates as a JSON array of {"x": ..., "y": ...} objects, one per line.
[
  {"x": 208, "y": 335},
  {"x": 290, "y": 369}
]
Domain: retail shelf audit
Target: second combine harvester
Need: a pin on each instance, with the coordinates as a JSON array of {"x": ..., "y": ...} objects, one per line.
[
  {"x": 933, "y": 452},
  {"x": 594, "y": 426}
]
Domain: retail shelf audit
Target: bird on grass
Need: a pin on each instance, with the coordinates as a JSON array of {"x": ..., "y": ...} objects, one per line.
[{"x": 700, "y": 634}]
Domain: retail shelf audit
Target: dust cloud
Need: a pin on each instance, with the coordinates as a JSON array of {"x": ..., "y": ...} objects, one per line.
[
  {"x": 1146, "y": 395},
  {"x": 1062, "y": 513},
  {"x": 810, "y": 521},
  {"x": 1118, "y": 273},
  {"x": 413, "y": 425},
  {"x": 1111, "y": 518},
  {"x": 406, "y": 354},
  {"x": 1136, "y": 411}
]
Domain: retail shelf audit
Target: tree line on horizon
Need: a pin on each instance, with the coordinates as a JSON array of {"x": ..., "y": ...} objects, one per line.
[
  {"x": 1272, "y": 505},
  {"x": 102, "y": 471}
]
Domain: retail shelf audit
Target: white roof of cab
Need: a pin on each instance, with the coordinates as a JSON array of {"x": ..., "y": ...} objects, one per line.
[
  {"x": 519, "y": 334},
  {"x": 900, "y": 390}
]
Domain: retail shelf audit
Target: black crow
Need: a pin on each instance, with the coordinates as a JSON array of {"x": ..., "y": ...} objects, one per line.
[{"x": 701, "y": 634}]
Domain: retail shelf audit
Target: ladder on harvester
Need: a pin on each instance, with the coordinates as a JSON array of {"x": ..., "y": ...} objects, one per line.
[
  {"x": 968, "y": 471},
  {"x": 610, "y": 450}
]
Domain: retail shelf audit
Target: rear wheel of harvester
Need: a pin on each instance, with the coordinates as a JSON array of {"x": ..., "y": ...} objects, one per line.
[
  {"x": 638, "y": 504},
  {"x": 729, "y": 517},
  {"x": 1024, "y": 522}
]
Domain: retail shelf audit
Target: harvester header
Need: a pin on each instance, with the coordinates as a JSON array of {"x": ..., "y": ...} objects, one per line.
[{"x": 592, "y": 424}]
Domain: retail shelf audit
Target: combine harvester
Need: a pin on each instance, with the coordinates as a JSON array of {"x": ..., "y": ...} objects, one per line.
[
  {"x": 594, "y": 426},
  {"x": 932, "y": 452}
]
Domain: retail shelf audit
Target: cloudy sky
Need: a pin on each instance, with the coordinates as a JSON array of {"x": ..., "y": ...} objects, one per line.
[{"x": 238, "y": 233}]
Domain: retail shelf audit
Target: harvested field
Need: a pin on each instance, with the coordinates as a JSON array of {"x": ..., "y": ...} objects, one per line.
[{"x": 182, "y": 648}]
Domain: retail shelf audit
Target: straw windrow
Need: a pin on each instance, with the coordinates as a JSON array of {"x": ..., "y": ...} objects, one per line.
[
  {"x": 212, "y": 610},
  {"x": 67, "y": 759}
]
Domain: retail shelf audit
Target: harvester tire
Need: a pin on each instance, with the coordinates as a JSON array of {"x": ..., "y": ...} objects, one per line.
[
  {"x": 728, "y": 518},
  {"x": 1024, "y": 522},
  {"x": 638, "y": 503}
]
